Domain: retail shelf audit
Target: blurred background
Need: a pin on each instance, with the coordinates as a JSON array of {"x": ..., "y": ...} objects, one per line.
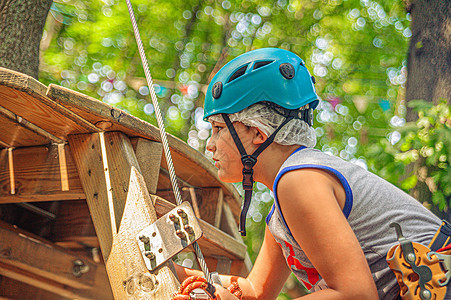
[{"x": 381, "y": 68}]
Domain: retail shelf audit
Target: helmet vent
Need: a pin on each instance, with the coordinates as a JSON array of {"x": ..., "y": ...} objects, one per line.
[
  {"x": 238, "y": 73},
  {"x": 260, "y": 64}
]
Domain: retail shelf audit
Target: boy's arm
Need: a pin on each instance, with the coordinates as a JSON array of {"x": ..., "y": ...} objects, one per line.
[
  {"x": 265, "y": 280},
  {"x": 314, "y": 215}
]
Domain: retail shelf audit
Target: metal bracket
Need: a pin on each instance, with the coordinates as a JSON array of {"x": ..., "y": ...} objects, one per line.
[
  {"x": 445, "y": 260},
  {"x": 424, "y": 272},
  {"x": 169, "y": 235}
]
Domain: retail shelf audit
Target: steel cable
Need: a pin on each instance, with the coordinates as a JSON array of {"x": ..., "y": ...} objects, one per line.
[{"x": 163, "y": 135}]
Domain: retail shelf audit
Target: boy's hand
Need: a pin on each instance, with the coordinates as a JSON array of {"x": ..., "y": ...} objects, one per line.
[{"x": 223, "y": 294}]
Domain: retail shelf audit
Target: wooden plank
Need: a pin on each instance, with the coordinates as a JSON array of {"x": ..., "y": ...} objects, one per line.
[
  {"x": 74, "y": 224},
  {"x": 149, "y": 155},
  {"x": 12, "y": 289},
  {"x": 17, "y": 135},
  {"x": 120, "y": 207},
  {"x": 219, "y": 206},
  {"x": 22, "y": 250},
  {"x": 190, "y": 164},
  {"x": 38, "y": 175},
  {"x": 99, "y": 291},
  {"x": 49, "y": 118}
]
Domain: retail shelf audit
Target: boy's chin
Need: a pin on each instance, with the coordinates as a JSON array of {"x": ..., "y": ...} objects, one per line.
[{"x": 228, "y": 179}]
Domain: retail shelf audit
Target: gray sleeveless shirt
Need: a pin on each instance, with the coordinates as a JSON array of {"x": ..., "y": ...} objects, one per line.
[{"x": 371, "y": 205}]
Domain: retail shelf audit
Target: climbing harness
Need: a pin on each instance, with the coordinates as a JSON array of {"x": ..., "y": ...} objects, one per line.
[
  {"x": 422, "y": 273},
  {"x": 163, "y": 135},
  {"x": 197, "y": 287}
]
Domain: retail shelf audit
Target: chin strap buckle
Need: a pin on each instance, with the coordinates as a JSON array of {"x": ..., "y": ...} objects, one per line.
[{"x": 248, "y": 162}]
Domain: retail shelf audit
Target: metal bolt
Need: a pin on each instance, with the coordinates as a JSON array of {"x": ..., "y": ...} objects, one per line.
[
  {"x": 150, "y": 255},
  {"x": 184, "y": 216},
  {"x": 426, "y": 294},
  {"x": 5, "y": 252},
  {"x": 180, "y": 234},
  {"x": 188, "y": 229},
  {"x": 411, "y": 257},
  {"x": 181, "y": 213},
  {"x": 79, "y": 268},
  {"x": 174, "y": 219},
  {"x": 144, "y": 239}
]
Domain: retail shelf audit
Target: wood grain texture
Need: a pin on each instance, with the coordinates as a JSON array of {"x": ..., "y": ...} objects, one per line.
[
  {"x": 61, "y": 112},
  {"x": 12, "y": 289},
  {"x": 37, "y": 175},
  {"x": 54, "y": 119},
  {"x": 74, "y": 224},
  {"x": 22, "y": 250},
  {"x": 190, "y": 164},
  {"x": 149, "y": 154},
  {"x": 120, "y": 207},
  {"x": 100, "y": 291},
  {"x": 17, "y": 135}
]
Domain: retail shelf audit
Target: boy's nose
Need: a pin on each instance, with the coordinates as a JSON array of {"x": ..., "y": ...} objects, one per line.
[{"x": 210, "y": 145}]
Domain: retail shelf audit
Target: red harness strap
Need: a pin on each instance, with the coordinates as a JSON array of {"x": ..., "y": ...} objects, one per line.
[
  {"x": 198, "y": 282},
  {"x": 190, "y": 284}
]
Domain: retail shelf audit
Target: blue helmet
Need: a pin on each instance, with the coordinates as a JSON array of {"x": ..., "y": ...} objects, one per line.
[{"x": 269, "y": 74}]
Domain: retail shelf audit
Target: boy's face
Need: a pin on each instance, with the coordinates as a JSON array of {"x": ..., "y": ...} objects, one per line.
[{"x": 225, "y": 153}]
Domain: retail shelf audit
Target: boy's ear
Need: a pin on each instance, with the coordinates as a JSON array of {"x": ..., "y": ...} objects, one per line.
[{"x": 260, "y": 137}]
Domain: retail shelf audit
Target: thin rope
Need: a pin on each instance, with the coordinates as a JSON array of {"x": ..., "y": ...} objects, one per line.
[{"x": 167, "y": 152}]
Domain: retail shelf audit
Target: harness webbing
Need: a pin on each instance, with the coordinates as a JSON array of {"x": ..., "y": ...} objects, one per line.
[{"x": 249, "y": 161}]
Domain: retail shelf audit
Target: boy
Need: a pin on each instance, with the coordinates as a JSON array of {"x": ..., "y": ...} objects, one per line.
[{"x": 329, "y": 224}]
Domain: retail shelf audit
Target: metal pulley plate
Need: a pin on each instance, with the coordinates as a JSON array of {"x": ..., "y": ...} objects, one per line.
[{"x": 169, "y": 235}]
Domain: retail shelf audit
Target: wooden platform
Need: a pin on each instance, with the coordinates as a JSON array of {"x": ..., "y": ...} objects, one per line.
[{"x": 78, "y": 176}]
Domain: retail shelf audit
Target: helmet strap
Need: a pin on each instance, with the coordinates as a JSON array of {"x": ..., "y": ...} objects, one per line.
[{"x": 249, "y": 162}]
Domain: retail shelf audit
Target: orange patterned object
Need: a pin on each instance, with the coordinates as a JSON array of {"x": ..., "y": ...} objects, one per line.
[
  {"x": 189, "y": 285},
  {"x": 199, "y": 282},
  {"x": 408, "y": 280},
  {"x": 235, "y": 290}
]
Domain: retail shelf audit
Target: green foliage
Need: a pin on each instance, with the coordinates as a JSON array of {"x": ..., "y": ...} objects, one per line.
[
  {"x": 356, "y": 49},
  {"x": 428, "y": 140}
]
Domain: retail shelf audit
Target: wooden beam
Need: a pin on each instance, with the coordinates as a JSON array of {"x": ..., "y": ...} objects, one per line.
[
  {"x": 149, "y": 154},
  {"x": 12, "y": 289},
  {"x": 190, "y": 165},
  {"x": 101, "y": 291},
  {"x": 120, "y": 207},
  {"x": 17, "y": 135},
  {"x": 219, "y": 207},
  {"x": 20, "y": 121},
  {"x": 39, "y": 175},
  {"x": 74, "y": 226},
  {"x": 29, "y": 258}
]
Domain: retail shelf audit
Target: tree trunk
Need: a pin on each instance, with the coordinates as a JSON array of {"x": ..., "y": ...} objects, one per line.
[
  {"x": 429, "y": 72},
  {"x": 21, "y": 26}
]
